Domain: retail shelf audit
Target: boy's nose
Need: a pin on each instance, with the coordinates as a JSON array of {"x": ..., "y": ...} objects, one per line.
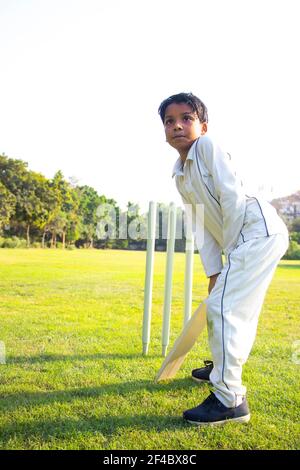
[{"x": 177, "y": 125}]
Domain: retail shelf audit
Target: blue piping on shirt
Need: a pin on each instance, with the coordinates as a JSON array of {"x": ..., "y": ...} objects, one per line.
[
  {"x": 261, "y": 214},
  {"x": 205, "y": 183}
]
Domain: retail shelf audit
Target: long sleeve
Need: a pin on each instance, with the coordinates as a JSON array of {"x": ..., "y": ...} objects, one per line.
[
  {"x": 209, "y": 250},
  {"x": 228, "y": 189},
  {"x": 210, "y": 254}
]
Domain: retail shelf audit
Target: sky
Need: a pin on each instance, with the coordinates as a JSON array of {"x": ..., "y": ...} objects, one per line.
[{"x": 81, "y": 82}]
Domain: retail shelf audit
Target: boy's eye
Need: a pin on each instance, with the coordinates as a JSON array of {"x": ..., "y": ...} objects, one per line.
[
  {"x": 168, "y": 121},
  {"x": 188, "y": 118}
]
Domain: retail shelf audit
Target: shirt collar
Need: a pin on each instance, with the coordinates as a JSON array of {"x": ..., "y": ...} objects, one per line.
[
  {"x": 179, "y": 165},
  {"x": 178, "y": 168}
]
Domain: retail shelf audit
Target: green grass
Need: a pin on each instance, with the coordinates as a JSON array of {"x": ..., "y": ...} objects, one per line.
[{"x": 75, "y": 377}]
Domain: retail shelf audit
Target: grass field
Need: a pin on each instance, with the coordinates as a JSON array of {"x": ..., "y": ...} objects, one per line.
[{"x": 75, "y": 377}]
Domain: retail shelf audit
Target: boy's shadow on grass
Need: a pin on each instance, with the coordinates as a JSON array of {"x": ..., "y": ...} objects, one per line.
[
  {"x": 42, "y": 358},
  {"x": 104, "y": 424},
  {"x": 13, "y": 401},
  {"x": 106, "y": 427}
]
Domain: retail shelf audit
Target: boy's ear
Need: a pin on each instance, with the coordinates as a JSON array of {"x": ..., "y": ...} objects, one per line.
[{"x": 204, "y": 128}]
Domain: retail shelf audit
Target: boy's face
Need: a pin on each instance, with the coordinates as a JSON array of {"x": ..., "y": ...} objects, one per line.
[{"x": 182, "y": 127}]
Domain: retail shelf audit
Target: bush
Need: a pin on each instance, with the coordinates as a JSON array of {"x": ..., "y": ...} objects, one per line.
[
  {"x": 71, "y": 247},
  {"x": 36, "y": 245},
  {"x": 295, "y": 236},
  {"x": 13, "y": 242},
  {"x": 293, "y": 251}
]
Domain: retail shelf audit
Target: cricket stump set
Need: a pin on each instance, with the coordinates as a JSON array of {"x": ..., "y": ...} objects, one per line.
[{"x": 188, "y": 281}]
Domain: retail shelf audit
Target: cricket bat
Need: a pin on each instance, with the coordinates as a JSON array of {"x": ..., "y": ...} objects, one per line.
[{"x": 183, "y": 344}]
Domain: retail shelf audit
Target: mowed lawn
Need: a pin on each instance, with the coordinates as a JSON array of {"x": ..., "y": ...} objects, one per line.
[{"x": 75, "y": 377}]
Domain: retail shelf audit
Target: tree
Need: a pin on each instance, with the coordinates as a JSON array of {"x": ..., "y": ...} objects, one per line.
[
  {"x": 88, "y": 205},
  {"x": 7, "y": 205},
  {"x": 107, "y": 223},
  {"x": 295, "y": 225},
  {"x": 293, "y": 251},
  {"x": 64, "y": 217},
  {"x": 37, "y": 212},
  {"x": 295, "y": 236},
  {"x": 27, "y": 187},
  {"x": 137, "y": 227}
]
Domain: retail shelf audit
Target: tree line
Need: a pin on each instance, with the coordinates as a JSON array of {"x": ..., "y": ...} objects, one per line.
[
  {"x": 56, "y": 212},
  {"x": 41, "y": 212}
]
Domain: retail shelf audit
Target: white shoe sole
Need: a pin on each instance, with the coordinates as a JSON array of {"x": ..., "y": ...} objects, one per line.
[{"x": 241, "y": 419}]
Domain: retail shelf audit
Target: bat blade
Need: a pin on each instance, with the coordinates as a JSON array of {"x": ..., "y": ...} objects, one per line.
[{"x": 183, "y": 344}]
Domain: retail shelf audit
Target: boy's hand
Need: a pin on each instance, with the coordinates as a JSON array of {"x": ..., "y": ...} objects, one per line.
[{"x": 212, "y": 281}]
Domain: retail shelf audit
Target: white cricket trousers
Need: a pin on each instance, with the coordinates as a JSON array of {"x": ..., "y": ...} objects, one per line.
[{"x": 233, "y": 308}]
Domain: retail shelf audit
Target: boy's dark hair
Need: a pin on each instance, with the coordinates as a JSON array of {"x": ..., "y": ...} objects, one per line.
[{"x": 193, "y": 101}]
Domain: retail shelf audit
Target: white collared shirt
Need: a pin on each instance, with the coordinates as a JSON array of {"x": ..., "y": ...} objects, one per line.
[{"x": 230, "y": 217}]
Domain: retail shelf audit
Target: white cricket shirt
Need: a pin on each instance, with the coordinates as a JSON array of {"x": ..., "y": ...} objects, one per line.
[{"x": 230, "y": 217}]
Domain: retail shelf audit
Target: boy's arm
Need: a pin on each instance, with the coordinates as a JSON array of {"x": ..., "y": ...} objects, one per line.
[
  {"x": 229, "y": 190},
  {"x": 210, "y": 250},
  {"x": 211, "y": 255}
]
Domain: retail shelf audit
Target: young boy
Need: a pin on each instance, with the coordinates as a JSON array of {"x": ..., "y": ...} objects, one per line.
[{"x": 251, "y": 235}]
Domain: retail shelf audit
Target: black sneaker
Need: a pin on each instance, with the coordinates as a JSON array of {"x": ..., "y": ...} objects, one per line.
[
  {"x": 212, "y": 412},
  {"x": 202, "y": 374}
]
